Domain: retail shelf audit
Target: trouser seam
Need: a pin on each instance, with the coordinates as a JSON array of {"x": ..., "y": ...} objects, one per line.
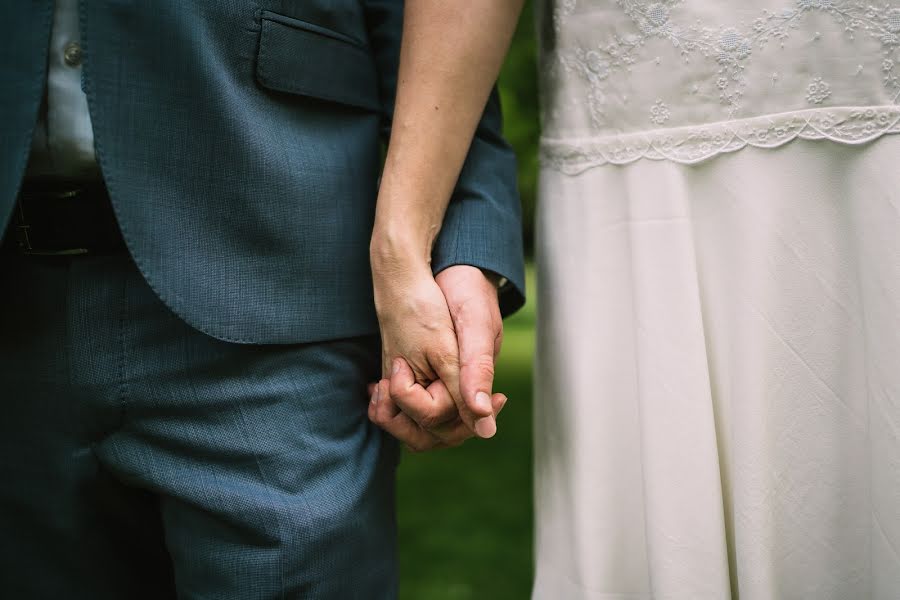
[
  {"x": 282, "y": 534},
  {"x": 122, "y": 392}
]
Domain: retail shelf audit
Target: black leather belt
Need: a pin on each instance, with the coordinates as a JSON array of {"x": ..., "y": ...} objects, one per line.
[{"x": 60, "y": 218}]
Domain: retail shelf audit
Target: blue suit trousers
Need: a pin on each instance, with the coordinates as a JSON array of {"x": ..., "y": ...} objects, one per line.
[{"x": 140, "y": 458}]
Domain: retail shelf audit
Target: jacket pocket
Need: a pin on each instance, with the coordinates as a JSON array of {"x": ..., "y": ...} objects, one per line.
[{"x": 297, "y": 57}]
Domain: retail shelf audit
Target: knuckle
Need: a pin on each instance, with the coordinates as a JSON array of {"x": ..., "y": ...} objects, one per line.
[
  {"x": 483, "y": 364},
  {"x": 419, "y": 374},
  {"x": 448, "y": 358},
  {"x": 468, "y": 303},
  {"x": 383, "y": 414},
  {"x": 434, "y": 417},
  {"x": 395, "y": 389},
  {"x": 429, "y": 420}
]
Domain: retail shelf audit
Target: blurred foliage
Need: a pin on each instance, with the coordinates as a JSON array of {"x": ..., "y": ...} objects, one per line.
[{"x": 519, "y": 93}]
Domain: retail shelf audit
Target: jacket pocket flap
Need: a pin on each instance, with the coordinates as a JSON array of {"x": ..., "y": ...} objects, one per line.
[{"x": 297, "y": 57}]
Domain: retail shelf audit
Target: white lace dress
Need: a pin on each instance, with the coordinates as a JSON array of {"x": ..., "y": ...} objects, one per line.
[{"x": 718, "y": 374}]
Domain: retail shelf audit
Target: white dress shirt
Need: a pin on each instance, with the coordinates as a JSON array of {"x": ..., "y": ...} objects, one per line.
[{"x": 63, "y": 143}]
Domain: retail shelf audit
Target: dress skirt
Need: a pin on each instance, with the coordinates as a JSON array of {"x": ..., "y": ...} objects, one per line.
[{"x": 718, "y": 377}]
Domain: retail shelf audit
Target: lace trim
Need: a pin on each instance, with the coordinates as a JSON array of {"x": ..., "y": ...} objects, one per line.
[{"x": 690, "y": 145}]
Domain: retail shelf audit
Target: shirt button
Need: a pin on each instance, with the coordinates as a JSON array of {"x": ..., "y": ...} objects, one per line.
[{"x": 72, "y": 54}]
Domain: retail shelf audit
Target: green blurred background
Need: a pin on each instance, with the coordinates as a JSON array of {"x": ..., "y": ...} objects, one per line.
[
  {"x": 519, "y": 93},
  {"x": 465, "y": 515}
]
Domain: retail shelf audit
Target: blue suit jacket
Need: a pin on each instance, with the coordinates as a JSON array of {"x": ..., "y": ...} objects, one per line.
[{"x": 241, "y": 144}]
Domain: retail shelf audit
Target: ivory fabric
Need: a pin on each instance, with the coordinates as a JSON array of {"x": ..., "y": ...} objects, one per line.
[
  {"x": 718, "y": 371},
  {"x": 718, "y": 377}
]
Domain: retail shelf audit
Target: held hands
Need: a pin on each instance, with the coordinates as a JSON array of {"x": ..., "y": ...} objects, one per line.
[{"x": 440, "y": 337}]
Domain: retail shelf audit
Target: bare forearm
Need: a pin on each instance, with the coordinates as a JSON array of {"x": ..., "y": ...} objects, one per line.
[{"x": 450, "y": 58}]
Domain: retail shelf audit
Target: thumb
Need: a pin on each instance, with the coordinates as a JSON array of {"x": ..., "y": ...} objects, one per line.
[{"x": 476, "y": 337}]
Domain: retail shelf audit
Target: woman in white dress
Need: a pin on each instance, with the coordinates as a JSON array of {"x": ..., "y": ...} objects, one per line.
[{"x": 718, "y": 379}]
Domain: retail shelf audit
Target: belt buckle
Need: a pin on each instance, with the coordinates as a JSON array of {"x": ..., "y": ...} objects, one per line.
[{"x": 22, "y": 229}]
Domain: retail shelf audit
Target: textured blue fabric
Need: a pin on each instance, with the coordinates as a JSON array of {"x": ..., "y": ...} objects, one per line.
[
  {"x": 240, "y": 142},
  {"x": 140, "y": 457}
]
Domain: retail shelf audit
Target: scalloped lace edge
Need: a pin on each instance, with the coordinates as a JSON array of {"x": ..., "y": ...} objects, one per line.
[{"x": 694, "y": 144}]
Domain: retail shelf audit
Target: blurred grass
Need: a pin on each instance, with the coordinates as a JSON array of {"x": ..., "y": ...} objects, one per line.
[{"x": 465, "y": 514}]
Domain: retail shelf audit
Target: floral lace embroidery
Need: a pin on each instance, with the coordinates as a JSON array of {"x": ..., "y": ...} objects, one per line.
[
  {"x": 730, "y": 47},
  {"x": 817, "y": 91},
  {"x": 659, "y": 113},
  {"x": 693, "y": 144}
]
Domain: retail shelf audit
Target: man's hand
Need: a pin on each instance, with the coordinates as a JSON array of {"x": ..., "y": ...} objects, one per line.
[{"x": 475, "y": 310}]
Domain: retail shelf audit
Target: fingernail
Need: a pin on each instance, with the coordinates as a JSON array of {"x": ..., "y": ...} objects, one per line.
[
  {"x": 483, "y": 402},
  {"x": 396, "y": 368},
  {"x": 485, "y": 427},
  {"x": 375, "y": 395}
]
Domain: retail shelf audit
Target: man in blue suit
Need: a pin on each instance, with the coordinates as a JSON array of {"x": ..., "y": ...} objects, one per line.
[{"x": 187, "y": 325}]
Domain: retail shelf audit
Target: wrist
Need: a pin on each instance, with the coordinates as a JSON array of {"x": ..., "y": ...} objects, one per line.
[
  {"x": 392, "y": 251},
  {"x": 399, "y": 263},
  {"x": 406, "y": 226},
  {"x": 465, "y": 277}
]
